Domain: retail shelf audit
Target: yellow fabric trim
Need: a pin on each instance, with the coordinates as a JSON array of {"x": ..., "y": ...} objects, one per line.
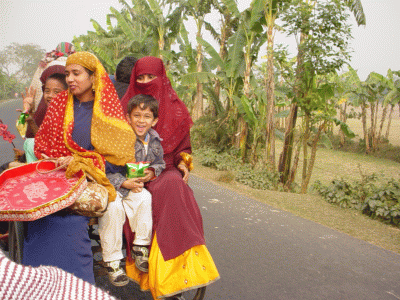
[
  {"x": 193, "y": 269},
  {"x": 81, "y": 160},
  {"x": 111, "y": 135},
  {"x": 88, "y": 167},
  {"x": 187, "y": 159}
]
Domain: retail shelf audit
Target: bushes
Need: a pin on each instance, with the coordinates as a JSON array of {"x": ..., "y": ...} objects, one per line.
[
  {"x": 374, "y": 196},
  {"x": 385, "y": 149},
  {"x": 257, "y": 177},
  {"x": 211, "y": 132}
]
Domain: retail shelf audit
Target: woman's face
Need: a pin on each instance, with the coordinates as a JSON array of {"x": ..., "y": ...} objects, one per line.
[
  {"x": 51, "y": 88},
  {"x": 79, "y": 81},
  {"x": 145, "y": 78}
]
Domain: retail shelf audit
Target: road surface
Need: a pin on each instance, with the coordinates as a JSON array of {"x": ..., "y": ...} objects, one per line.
[{"x": 265, "y": 253}]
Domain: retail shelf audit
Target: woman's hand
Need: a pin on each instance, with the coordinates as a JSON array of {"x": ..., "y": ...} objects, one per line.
[
  {"x": 65, "y": 160},
  {"x": 29, "y": 97},
  {"x": 149, "y": 175},
  {"x": 185, "y": 171},
  {"x": 133, "y": 184}
]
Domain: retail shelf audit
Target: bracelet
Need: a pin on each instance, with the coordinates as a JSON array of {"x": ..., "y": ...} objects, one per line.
[{"x": 187, "y": 159}]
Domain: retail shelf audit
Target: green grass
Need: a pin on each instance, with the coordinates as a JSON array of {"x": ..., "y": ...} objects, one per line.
[{"x": 330, "y": 164}]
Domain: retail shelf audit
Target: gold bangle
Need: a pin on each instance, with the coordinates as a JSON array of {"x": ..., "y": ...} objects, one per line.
[{"x": 187, "y": 159}]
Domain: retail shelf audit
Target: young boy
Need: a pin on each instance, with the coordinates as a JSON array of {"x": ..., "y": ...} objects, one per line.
[{"x": 142, "y": 116}]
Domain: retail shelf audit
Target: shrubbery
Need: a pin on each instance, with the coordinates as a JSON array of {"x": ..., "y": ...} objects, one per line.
[
  {"x": 373, "y": 195},
  {"x": 257, "y": 177}
]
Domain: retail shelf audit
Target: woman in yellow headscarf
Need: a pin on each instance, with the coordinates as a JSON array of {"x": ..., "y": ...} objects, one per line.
[{"x": 88, "y": 123}]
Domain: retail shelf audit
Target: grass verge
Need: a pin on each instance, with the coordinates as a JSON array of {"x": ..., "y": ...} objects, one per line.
[{"x": 314, "y": 208}]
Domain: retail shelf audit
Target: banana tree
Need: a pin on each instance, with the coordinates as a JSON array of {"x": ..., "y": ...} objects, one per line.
[
  {"x": 247, "y": 42},
  {"x": 228, "y": 25},
  {"x": 230, "y": 76},
  {"x": 117, "y": 41},
  {"x": 392, "y": 97},
  {"x": 359, "y": 95},
  {"x": 161, "y": 29}
]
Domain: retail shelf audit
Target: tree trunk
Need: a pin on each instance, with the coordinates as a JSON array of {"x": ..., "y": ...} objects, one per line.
[
  {"x": 286, "y": 155},
  {"x": 383, "y": 119},
  {"x": 293, "y": 171},
  {"x": 198, "y": 105},
  {"x": 389, "y": 122},
  {"x": 364, "y": 123},
  {"x": 161, "y": 45},
  {"x": 222, "y": 54},
  {"x": 343, "y": 118},
  {"x": 372, "y": 128},
  {"x": 306, "y": 136},
  {"x": 270, "y": 126},
  {"x": 241, "y": 137},
  {"x": 306, "y": 181},
  {"x": 242, "y": 125}
]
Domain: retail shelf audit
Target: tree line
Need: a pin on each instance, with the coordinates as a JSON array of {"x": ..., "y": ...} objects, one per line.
[
  {"x": 18, "y": 63},
  {"x": 299, "y": 99}
]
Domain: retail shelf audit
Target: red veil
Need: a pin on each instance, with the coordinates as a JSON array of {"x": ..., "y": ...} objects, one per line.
[{"x": 174, "y": 121}]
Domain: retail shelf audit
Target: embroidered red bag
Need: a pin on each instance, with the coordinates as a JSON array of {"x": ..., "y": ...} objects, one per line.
[{"x": 27, "y": 195}]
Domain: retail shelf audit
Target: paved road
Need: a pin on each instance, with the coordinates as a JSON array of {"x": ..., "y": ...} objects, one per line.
[
  {"x": 9, "y": 116},
  {"x": 265, "y": 253}
]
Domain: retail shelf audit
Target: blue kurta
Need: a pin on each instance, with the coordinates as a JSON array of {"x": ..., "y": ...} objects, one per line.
[{"x": 62, "y": 239}]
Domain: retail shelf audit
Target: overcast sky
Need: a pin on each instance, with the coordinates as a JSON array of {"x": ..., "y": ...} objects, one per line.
[{"x": 46, "y": 23}]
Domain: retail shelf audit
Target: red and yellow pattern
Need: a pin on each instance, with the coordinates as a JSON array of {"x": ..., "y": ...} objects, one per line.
[{"x": 111, "y": 136}]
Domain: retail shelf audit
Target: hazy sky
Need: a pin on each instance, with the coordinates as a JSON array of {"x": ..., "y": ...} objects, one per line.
[{"x": 46, "y": 23}]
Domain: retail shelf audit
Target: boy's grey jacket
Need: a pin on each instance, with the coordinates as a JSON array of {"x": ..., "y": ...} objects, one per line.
[{"x": 155, "y": 154}]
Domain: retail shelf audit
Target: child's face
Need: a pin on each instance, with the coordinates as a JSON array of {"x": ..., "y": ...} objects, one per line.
[
  {"x": 141, "y": 121},
  {"x": 51, "y": 89}
]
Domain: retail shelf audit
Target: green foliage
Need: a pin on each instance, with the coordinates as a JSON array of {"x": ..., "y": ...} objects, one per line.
[
  {"x": 9, "y": 85},
  {"x": 257, "y": 177},
  {"x": 20, "y": 61},
  {"x": 211, "y": 132},
  {"x": 221, "y": 161},
  {"x": 374, "y": 196}
]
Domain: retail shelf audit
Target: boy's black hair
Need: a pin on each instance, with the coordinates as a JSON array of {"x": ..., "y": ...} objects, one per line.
[
  {"x": 147, "y": 101},
  {"x": 59, "y": 77},
  {"x": 124, "y": 69}
]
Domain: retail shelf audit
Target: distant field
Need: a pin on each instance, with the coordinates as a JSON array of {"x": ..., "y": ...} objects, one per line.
[
  {"x": 394, "y": 133},
  {"x": 332, "y": 164}
]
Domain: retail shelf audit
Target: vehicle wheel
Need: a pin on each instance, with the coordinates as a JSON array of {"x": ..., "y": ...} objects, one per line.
[{"x": 196, "y": 294}]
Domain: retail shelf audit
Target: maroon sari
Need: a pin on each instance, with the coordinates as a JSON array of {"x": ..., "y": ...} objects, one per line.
[{"x": 176, "y": 216}]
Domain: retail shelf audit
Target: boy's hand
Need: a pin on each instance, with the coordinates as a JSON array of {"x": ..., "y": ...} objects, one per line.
[
  {"x": 133, "y": 184},
  {"x": 28, "y": 101},
  {"x": 149, "y": 175}
]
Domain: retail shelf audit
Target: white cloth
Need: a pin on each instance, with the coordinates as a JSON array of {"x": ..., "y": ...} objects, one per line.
[
  {"x": 138, "y": 210},
  {"x": 137, "y": 207},
  {"x": 18, "y": 282},
  {"x": 110, "y": 230}
]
